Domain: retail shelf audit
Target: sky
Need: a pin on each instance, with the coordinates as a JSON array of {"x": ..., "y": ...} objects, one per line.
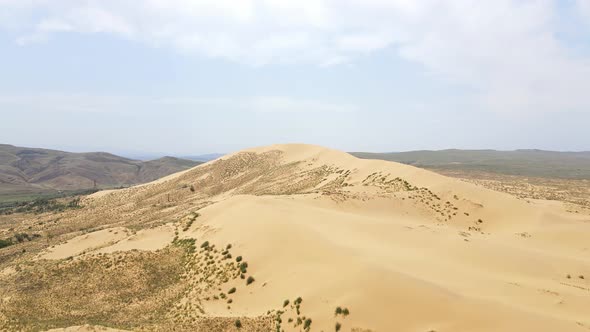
[{"x": 187, "y": 77}]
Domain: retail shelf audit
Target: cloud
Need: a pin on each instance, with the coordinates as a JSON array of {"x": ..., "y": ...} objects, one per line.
[
  {"x": 60, "y": 103},
  {"x": 505, "y": 52}
]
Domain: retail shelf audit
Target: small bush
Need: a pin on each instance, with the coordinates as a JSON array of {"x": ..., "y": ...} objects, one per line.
[
  {"x": 243, "y": 267},
  {"x": 307, "y": 324},
  {"x": 345, "y": 312},
  {"x": 238, "y": 323},
  {"x": 285, "y": 303},
  {"x": 338, "y": 326},
  {"x": 338, "y": 311},
  {"x": 5, "y": 243},
  {"x": 250, "y": 280},
  {"x": 581, "y": 276},
  {"x": 205, "y": 244},
  {"x": 239, "y": 259},
  {"x": 232, "y": 290}
]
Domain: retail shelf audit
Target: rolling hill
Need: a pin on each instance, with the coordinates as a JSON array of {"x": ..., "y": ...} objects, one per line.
[
  {"x": 534, "y": 163},
  {"x": 299, "y": 238},
  {"x": 30, "y": 171}
]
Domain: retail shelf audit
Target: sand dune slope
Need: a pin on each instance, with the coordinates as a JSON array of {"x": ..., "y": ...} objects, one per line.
[{"x": 401, "y": 248}]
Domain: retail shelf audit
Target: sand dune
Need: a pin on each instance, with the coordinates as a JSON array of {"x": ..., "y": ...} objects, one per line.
[{"x": 403, "y": 249}]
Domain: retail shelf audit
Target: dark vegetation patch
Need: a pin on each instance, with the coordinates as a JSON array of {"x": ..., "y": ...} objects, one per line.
[{"x": 40, "y": 205}]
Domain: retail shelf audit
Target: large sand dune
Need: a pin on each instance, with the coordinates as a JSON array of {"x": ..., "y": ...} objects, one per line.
[{"x": 403, "y": 249}]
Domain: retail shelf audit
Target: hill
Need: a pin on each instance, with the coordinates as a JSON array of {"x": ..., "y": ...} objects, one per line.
[
  {"x": 29, "y": 172},
  {"x": 299, "y": 238},
  {"x": 533, "y": 163}
]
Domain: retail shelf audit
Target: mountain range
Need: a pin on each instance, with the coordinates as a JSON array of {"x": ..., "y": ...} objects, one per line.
[{"x": 31, "y": 171}]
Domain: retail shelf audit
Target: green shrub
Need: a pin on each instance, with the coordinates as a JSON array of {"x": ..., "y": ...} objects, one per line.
[
  {"x": 285, "y": 303},
  {"x": 307, "y": 324},
  {"x": 5, "y": 243},
  {"x": 243, "y": 267},
  {"x": 250, "y": 280},
  {"x": 238, "y": 323},
  {"x": 239, "y": 259},
  {"x": 345, "y": 312},
  {"x": 205, "y": 244},
  {"x": 232, "y": 290},
  {"x": 338, "y": 326}
]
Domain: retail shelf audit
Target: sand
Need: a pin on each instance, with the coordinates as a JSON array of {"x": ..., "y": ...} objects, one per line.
[{"x": 487, "y": 262}]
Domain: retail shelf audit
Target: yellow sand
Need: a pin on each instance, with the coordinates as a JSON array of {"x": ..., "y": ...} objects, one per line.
[{"x": 393, "y": 262}]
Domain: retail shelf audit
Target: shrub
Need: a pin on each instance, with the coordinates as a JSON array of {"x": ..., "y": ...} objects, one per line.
[
  {"x": 285, "y": 303},
  {"x": 238, "y": 323},
  {"x": 581, "y": 276},
  {"x": 307, "y": 324},
  {"x": 192, "y": 188},
  {"x": 345, "y": 312},
  {"x": 228, "y": 247},
  {"x": 232, "y": 290},
  {"x": 250, "y": 280},
  {"x": 5, "y": 243},
  {"x": 338, "y": 326},
  {"x": 243, "y": 267},
  {"x": 205, "y": 244},
  {"x": 239, "y": 259}
]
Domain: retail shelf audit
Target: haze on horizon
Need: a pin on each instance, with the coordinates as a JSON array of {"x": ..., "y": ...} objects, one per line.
[{"x": 191, "y": 77}]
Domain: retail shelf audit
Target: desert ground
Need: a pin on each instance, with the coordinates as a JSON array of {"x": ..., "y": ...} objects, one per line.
[{"x": 300, "y": 238}]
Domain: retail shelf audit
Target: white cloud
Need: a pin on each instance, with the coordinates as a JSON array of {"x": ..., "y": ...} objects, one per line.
[
  {"x": 83, "y": 103},
  {"x": 504, "y": 50}
]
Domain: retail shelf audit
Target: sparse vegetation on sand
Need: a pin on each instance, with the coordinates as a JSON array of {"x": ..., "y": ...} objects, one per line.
[{"x": 312, "y": 221}]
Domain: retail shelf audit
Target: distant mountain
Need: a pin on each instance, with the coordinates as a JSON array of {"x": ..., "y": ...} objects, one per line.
[
  {"x": 534, "y": 163},
  {"x": 204, "y": 157},
  {"x": 30, "y": 171}
]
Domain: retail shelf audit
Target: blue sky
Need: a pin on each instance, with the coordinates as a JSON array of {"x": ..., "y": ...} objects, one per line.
[{"x": 189, "y": 77}]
